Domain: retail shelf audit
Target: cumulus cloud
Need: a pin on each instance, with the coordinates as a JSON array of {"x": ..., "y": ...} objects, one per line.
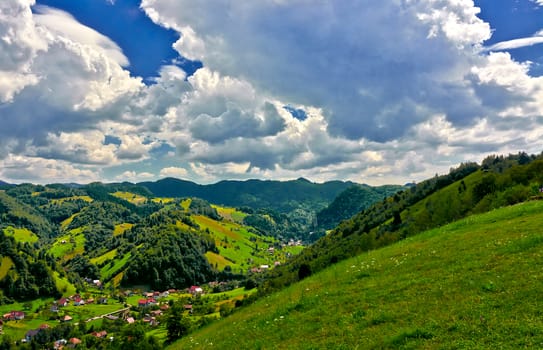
[
  {"x": 375, "y": 70},
  {"x": 389, "y": 90},
  {"x": 173, "y": 172},
  {"x": 25, "y": 169}
]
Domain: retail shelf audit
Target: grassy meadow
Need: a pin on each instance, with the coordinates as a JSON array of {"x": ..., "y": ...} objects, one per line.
[{"x": 472, "y": 284}]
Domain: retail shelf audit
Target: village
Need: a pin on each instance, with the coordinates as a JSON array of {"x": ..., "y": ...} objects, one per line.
[{"x": 101, "y": 316}]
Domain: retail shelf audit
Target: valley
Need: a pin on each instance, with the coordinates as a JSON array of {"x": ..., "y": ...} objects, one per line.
[{"x": 450, "y": 262}]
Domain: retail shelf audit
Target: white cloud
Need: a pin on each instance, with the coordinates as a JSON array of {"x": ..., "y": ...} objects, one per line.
[
  {"x": 133, "y": 176},
  {"x": 23, "y": 169},
  {"x": 176, "y": 172},
  {"x": 393, "y": 91},
  {"x": 517, "y": 43}
]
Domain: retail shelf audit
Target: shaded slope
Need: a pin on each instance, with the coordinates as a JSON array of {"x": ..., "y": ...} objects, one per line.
[
  {"x": 351, "y": 201},
  {"x": 283, "y": 196},
  {"x": 471, "y": 284}
]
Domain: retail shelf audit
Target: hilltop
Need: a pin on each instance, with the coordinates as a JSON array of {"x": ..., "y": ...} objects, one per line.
[{"x": 469, "y": 284}]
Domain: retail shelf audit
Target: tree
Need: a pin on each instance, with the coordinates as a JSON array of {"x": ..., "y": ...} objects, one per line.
[{"x": 176, "y": 325}]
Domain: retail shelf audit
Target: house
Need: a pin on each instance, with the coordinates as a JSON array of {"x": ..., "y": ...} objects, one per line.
[
  {"x": 66, "y": 318},
  {"x": 156, "y": 313},
  {"x": 59, "y": 344},
  {"x": 101, "y": 334},
  {"x": 74, "y": 341},
  {"x": 78, "y": 301},
  {"x": 62, "y": 302},
  {"x": 54, "y": 308},
  {"x": 102, "y": 300},
  {"x": 14, "y": 316},
  {"x": 188, "y": 308},
  {"x": 146, "y": 302},
  {"x": 149, "y": 294},
  {"x": 151, "y": 320},
  {"x": 90, "y": 301},
  {"x": 130, "y": 320},
  {"x": 164, "y": 307},
  {"x": 196, "y": 290}
]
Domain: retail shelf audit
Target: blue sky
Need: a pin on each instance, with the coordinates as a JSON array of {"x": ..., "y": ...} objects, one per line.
[{"x": 374, "y": 92}]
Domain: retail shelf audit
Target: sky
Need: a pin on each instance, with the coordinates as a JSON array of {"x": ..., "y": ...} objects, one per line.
[{"x": 376, "y": 92}]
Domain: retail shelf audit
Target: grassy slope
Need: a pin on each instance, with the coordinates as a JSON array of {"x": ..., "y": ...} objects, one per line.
[
  {"x": 21, "y": 234},
  {"x": 5, "y": 264},
  {"x": 130, "y": 197},
  {"x": 235, "y": 246},
  {"x": 472, "y": 284},
  {"x": 74, "y": 243}
]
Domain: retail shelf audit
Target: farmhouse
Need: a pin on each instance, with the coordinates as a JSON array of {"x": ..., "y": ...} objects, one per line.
[
  {"x": 66, "y": 318},
  {"x": 196, "y": 290},
  {"x": 14, "y": 316}
]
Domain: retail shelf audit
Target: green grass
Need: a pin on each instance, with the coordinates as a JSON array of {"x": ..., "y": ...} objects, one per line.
[
  {"x": 120, "y": 228},
  {"x": 5, "y": 264},
  {"x": 473, "y": 284},
  {"x": 63, "y": 285},
  {"x": 21, "y": 234},
  {"x": 238, "y": 248},
  {"x": 109, "y": 270},
  {"x": 64, "y": 224},
  {"x": 74, "y": 243},
  {"x": 130, "y": 197},
  {"x": 230, "y": 214},
  {"x": 72, "y": 198},
  {"x": 107, "y": 256}
]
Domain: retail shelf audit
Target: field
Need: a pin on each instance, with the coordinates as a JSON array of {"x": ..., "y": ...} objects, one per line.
[
  {"x": 120, "y": 228},
  {"x": 73, "y": 198},
  {"x": 130, "y": 197},
  {"x": 230, "y": 214},
  {"x": 5, "y": 264},
  {"x": 63, "y": 285},
  {"x": 69, "y": 245},
  {"x": 238, "y": 248},
  {"x": 21, "y": 234},
  {"x": 113, "y": 268},
  {"x": 473, "y": 284}
]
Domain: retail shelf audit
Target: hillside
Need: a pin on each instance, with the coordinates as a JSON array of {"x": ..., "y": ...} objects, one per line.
[
  {"x": 466, "y": 190},
  {"x": 352, "y": 201},
  {"x": 469, "y": 284},
  {"x": 122, "y": 235},
  {"x": 282, "y": 196}
]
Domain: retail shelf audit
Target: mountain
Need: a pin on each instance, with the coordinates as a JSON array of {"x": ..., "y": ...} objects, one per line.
[
  {"x": 282, "y": 196},
  {"x": 469, "y": 284},
  {"x": 351, "y": 201},
  {"x": 4, "y": 184},
  {"x": 122, "y": 235},
  {"x": 466, "y": 190}
]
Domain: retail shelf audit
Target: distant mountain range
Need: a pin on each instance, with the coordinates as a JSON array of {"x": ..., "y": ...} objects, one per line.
[
  {"x": 3, "y": 184},
  {"x": 283, "y": 196}
]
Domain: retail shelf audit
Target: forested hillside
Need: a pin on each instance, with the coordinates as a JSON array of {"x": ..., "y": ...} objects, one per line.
[
  {"x": 56, "y": 237},
  {"x": 471, "y": 284},
  {"x": 352, "y": 201},
  {"x": 286, "y": 209},
  {"x": 466, "y": 190}
]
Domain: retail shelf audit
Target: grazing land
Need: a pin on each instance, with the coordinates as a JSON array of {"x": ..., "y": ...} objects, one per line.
[{"x": 471, "y": 284}]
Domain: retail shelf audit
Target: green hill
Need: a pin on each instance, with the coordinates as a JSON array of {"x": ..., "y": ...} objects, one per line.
[
  {"x": 472, "y": 284},
  {"x": 351, "y": 201}
]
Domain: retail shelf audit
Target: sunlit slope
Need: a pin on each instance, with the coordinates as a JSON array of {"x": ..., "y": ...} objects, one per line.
[{"x": 473, "y": 284}]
